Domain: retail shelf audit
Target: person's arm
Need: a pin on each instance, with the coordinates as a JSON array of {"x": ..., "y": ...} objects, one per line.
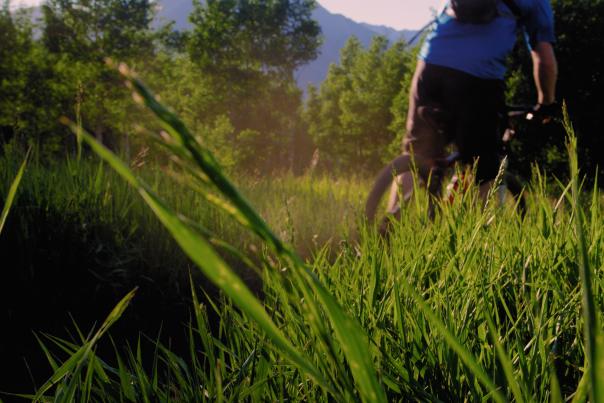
[{"x": 545, "y": 72}]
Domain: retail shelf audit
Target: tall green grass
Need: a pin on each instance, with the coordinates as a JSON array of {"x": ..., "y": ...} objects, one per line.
[
  {"x": 12, "y": 192},
  {"x": 594, "y": 339},
  {"x": 476, "y": 304},
  {"x": 203, "y": 170}
]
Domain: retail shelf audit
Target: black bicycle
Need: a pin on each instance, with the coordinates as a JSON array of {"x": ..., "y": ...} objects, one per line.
[{"x": 389, "y": 176}]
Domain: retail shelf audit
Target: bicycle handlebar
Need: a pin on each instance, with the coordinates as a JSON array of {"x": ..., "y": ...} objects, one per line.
[
  {"x": 520, "y": 111},
  {"x": 438, "y": 117},
  {"x": 513, "y": 111},
  {"x": 547, "y": 113}
]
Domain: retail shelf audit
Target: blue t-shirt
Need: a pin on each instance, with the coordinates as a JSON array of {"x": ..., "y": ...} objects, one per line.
[{"x": 481, "y": 49}]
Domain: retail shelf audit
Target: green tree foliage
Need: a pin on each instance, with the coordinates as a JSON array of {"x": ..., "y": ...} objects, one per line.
[
  {"x": 254, "y": 36},
  {"x": 95, "y": 29},
  {"x": 79, "y": 35},
  {"x": 246, "y": 53},
  {"x": 581, "y": 54},
  {"x": 231, "y": 77},
  {"x": 351, "y": 118},
  {"x": 15, "y": 45},
  {"x": 28, "y": 102}
]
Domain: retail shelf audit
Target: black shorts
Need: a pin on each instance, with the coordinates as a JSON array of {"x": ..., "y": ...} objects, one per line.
[{"x": 475, "y": 116}]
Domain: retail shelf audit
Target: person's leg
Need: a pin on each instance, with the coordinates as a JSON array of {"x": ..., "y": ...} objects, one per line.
[
  {"x": 479, "y": 106},
  {"x": 422, "y": 139},
  {"x": 484, "y": 189},
  {"x": 401, "y": 191}
]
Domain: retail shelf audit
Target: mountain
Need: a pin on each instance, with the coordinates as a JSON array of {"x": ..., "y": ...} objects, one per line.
[{"x": 336, "y": 31}]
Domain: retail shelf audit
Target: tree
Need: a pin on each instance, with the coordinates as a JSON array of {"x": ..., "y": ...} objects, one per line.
[
  {"x": 247, "y": 52},
  {"x": 79, "y": 35},
  {"x": 580, "y": 50},
  {"x": 272, "y": 37},
  {"x": 95, "y": 29},
  {"x": 29, "y": 107},
  {"x": 351, "y": 117},
  {"x": 323, "y": 109},
  {"x": 15, "y": 45},
  {"x": 580, "y": 53}
]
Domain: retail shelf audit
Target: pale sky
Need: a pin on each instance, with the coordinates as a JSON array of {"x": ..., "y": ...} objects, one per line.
[{"x": 399, "y": 14}]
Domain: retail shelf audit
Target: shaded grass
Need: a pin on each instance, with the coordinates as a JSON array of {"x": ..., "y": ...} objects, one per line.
[
  {"x": 524, "y": 275},
  {"x": 324, "y": 316},
  {"x": 79, "y": 238}
]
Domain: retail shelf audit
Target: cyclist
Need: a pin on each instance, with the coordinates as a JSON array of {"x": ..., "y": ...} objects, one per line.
[{"x": 460, "y": 71}]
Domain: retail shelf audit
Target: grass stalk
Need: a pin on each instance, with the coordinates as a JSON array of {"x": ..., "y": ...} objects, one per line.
[
  {"x": 591, "y": 327},
  {"x": 12, "y": 192}
]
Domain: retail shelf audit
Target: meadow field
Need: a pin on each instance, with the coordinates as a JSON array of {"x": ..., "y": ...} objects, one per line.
[
  {"x": 207, "y": 241},
  {"x": 274, "y": 289}
]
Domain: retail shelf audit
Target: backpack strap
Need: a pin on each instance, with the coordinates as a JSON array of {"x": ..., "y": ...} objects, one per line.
[{"x": 511, "y": 4}]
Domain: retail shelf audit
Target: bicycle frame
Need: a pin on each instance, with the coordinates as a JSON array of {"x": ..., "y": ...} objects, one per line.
[{"x": 404, "y": 163}]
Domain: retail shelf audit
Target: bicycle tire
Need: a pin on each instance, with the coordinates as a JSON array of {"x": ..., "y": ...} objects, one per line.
[{"x": 383, "y": 182}]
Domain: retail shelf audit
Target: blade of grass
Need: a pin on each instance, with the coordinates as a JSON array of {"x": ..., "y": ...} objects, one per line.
[
  {"x": 556, "y": 392},
  {"x": 352, "y": 337},
  {"x": 212, "y": 265},
  {"x": 10, "y": 198},
  {"x": 506, "y": 363},
  {"x": 49, "y": 357},
  {"x": 591, "y": 327},
  {"x": 75, "y": 363},
  {"x": 582, "y": 391},
  {"x": 464, "y": 354}
]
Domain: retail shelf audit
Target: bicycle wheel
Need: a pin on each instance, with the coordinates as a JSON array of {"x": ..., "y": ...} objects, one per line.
[{"x": 383, "y": 182}]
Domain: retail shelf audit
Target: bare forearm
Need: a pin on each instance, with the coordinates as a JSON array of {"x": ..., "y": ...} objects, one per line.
[{"x": 545, "y": 71}]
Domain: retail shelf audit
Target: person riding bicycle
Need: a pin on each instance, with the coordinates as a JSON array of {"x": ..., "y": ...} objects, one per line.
[{"x": 460, "y": 72}]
